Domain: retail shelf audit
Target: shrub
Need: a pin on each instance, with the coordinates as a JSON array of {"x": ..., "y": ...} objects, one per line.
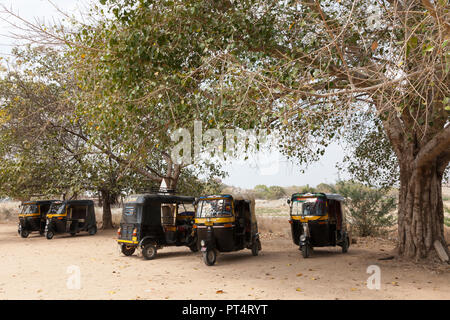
[
  {"x": 369, "y": 209},
  {"x": 275, "y": 192}
]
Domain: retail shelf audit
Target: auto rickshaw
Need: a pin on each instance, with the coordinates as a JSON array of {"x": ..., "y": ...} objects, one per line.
[
  {"x": 317, "y": 220},
  {"x": 33, "y": 217},
  {"x": 151, "y": 221},
  {"x": 72, "y": 217},
  {"x": 226, "y": 223}
]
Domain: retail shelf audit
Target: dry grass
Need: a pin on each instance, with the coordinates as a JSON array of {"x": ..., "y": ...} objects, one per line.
[{"x": 274, "y": 225}]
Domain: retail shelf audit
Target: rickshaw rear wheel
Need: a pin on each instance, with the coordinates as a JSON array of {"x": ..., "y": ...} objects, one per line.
[
  {"x": 92, "y": 230},
  {"x": 256, "y": 247},
  {"x": 149, "y": 251},
  {"x": 306, "y": 251},
  {"x": 128, "y": 251},
  {"x": 345, "y": 245},
  {"x": 49, "y": 235},
  {"x": 24, "y": 233},
  {"x": 209, "y": 257},
  {"x": 194, "y": 247},
  {"x": 73, "y": 234}
]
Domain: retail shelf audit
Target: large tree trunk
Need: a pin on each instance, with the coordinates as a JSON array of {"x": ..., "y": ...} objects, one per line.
[
  {"x": 420, "y": 210},
  {"x": 107, "y": 200}
]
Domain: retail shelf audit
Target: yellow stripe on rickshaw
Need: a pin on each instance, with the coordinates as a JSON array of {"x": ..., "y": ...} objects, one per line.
[
  {"x": 29, "y": 215},
  {"x": 214, "y": 220},
  {"x": 127, "y": 241},
  {"x": 56, "y": 215},
  {"x": 306, "y": 219}
]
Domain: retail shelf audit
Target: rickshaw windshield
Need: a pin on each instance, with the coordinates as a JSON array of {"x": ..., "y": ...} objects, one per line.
[
  {"x": 214, "y": 208},
  {"x": 30, "y": 208},
  {"x": 308, "y": 207}
]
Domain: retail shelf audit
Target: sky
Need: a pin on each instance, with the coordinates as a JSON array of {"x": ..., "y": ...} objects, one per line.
[{"x": 275, "y": 169}]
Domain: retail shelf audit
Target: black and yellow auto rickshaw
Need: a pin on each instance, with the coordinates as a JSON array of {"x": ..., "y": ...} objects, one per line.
[
  {"x": 151, "y": 221},
  {"x": 33, "y": 217},
  {"x": 226, "y": 223},
  {"x": 318, "y": 220},
  {"x": 72, "y": 217}
]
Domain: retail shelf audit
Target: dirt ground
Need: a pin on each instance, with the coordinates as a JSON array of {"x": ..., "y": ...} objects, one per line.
[{"x": 37, "y": 268}]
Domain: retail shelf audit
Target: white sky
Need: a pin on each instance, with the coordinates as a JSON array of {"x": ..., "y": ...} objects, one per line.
[{"x": 244, "y": 175}]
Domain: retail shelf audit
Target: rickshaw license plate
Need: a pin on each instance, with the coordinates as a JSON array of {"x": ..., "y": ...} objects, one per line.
[{"x": 203, "y": 249}]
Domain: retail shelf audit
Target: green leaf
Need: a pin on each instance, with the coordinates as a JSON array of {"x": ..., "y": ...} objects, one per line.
[{"x": 428, "y": 48}]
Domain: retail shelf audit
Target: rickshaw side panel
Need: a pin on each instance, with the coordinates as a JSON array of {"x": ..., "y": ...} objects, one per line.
[{"x": 151, "y": 222}]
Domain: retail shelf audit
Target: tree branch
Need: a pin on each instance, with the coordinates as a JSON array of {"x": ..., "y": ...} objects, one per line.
[{"x": 434, "y": 148}]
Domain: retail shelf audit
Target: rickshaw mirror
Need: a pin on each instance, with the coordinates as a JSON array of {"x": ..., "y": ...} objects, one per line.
[{"x": 288, "y": 201}]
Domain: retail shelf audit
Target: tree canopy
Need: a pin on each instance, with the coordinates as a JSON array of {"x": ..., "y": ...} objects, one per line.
[{"x": 375, "y": 73}]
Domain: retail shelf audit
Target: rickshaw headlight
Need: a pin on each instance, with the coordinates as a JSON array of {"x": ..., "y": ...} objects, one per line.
[
  {"x": 302, "y": 237},
  {"x": 202, "y": 243}
]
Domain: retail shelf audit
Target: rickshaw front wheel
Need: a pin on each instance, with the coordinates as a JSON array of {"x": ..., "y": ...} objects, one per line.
[
  {"x": 127, "y": 250},
  {"x": 24, "y": 233},
  {"x": 306, "y": 251},
  {"x": 149, "y": 251},
  {"x": 49, "y": 235},
  {"x": 209, "y": 257}
]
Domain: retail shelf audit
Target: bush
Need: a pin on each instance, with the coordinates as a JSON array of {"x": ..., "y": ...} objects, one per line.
[
  {"x": 261, "y": 191},
  {"x": 275, "y": 192},
  {"x": 369, "y": 209}
]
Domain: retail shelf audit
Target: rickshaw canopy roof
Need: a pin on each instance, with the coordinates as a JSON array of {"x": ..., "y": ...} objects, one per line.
[
  {"x": 161, "y": 198},
  {"x": 79, "y": 202},
  {"x": 39, "y": 202},
  {"x": 330, "y": 196}
]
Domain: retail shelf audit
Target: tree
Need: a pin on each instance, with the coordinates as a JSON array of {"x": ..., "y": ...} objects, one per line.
[
  {"x": 41, "y": 149},
  {"x": 309, "y": 68}
]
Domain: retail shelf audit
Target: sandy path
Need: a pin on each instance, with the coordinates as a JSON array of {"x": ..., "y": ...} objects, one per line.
[{"x": 36, "y": 268}]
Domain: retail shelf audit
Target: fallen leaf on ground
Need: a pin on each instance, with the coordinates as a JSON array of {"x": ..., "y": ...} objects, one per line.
[
  {"x": 298, "y": 289},
  {"x": 299, "y": 274},
  {"x": 219, "y": 291}
]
